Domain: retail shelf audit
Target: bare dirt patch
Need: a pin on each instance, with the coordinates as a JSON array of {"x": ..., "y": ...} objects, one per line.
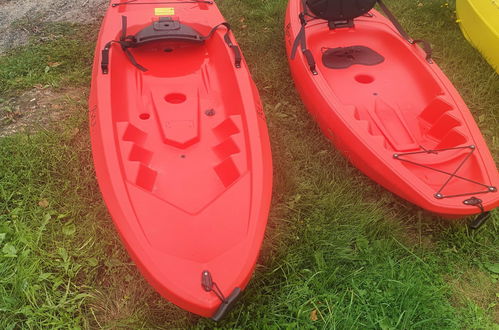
[
  {"x": 476, "y": 285},
  {"x": 12, "y": 11},
  {"x": 38, "y": 109}
]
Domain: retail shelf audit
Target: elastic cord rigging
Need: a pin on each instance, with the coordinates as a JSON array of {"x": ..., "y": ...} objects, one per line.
[
  {"x": 452, "y": 175},
  {"x": 218, "y": 292},
  {"x": 210, "y": 286}
]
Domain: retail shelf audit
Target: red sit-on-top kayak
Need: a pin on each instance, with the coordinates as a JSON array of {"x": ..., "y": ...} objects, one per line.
[
  {"x": 181, "y": 149},
  {"x": 389, "y": 108}
]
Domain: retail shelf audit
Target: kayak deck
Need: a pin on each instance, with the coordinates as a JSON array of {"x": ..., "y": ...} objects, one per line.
[
  {"x": 182, "y": 155},
  {"x": 393, "y": 113},
  {"x": 426, "y": 119},
  {"x": 180, "y": 117}
]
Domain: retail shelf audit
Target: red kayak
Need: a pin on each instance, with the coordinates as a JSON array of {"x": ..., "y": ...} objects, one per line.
[
  {"x": 181, "y": 149},
  {"x": 388, "y": 107}
]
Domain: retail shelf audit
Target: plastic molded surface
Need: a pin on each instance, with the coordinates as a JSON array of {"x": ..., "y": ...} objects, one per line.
[
  {"x": 383, "y": 117},
  {"x": 479, "y": 21},
  {"x": 182, "y": 156}
]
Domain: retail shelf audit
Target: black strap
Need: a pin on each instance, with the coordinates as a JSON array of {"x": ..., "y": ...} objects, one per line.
[
  {"x": 237, "y": 52},
  {"x": 132, "y": 59},
  {"x": 426, "y": 45},
  {"x": 125, "y": 42},
  {"x": 301, "y": 40},
  {"x": 128, "y": 42},
  {"x": 394, "y": 21},
  {"x": 124, "y": 27},
  {"x": 105, "y": 58}
]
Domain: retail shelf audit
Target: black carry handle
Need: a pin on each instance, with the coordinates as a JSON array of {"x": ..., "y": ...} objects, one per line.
[{"x": 480, "y": 220}]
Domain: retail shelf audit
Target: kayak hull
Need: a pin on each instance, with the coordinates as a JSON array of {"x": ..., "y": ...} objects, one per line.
[
  {"x": 384, "y": 116},
  {"x": 479, "y": 21},
  {"x": 182, "y": 155}
]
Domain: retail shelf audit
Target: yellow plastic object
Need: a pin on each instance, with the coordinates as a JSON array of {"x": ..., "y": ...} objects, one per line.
[{"x": 479, "y": 21}]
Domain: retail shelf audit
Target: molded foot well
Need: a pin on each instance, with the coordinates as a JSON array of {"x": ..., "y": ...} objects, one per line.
[
  {"x": 146, "y": 177},
  {"x": 227, "y": 171},
  {"x": 434, "y": 110},
  {"x": 139, "y": 154},
  {"x": 134, "y": 134},
  {"x": 453, "y": 138},
  {"x": 442, "y": 126},
  {"x": 226, "y": 148},
  {"x": 227, "y": 128},
  {"x": 393, "y": 126}
]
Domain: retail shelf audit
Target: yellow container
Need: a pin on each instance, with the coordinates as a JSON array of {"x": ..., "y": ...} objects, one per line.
[{"x": 479, "y": 21}]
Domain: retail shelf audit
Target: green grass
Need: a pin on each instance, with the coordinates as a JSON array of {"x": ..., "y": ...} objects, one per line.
[
  {"x": 59, "y": 55},
  {"x": 339, "y": 252}
]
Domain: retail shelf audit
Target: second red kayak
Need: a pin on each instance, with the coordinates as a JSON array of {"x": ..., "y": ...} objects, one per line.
[
  {"x": 181, "y": 149},
  {"x": 388, "y": 107}
]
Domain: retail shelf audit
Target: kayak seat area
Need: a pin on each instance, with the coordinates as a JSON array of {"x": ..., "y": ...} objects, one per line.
[
  {"x": 345, "y": 57},
  {"x": 182, "y": 116},
  {"x": 388, "y": 85}
]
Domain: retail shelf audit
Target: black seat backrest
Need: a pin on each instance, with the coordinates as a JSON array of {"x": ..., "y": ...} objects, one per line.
[
  {"x": 167, "y": 29},
  {"x": 339, "y": 10}
]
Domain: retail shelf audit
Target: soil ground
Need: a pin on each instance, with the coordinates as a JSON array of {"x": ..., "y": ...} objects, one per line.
[
  {"x": 39, "y": 107},
  {"x": 13, "y": 11}
]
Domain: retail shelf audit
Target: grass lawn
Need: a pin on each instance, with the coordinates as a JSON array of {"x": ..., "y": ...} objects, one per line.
[{"x": 339, "y": 252}]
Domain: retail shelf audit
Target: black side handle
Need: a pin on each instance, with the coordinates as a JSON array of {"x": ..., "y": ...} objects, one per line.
[
  {"x": 480, "y": 220},
  {"x": 227, "y": 305}
]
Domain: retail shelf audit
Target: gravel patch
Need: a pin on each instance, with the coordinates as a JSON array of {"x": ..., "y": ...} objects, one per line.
[{"x": 76, "y": 11}]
